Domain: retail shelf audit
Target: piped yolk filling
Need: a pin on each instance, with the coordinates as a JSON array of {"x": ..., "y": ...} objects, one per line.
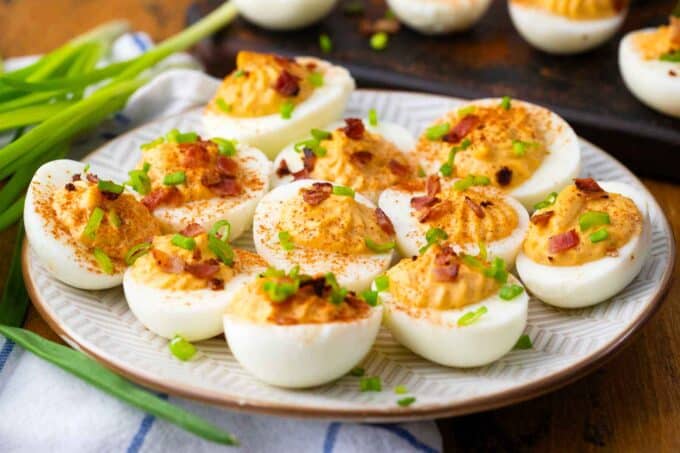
[{"x": 579, "y": 9}]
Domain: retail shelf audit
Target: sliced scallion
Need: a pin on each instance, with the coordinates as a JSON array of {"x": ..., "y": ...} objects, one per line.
[
  {"x": 319, "y": 134},
  {"x": 152, "y": 143},
  {"x": 370, "y": 384},
  {"x": 357, "y": 371},
  {"x": 103, "y": 260},
  {"x": 599, "y": 236},
  {"x": 510, "y": 291},
  {"x": 379, "y": 248},
  {"x": 286, "y": 241},
  {"x": 93, "y": 222},
  {"x": 136, "y": 252},
  {"x": 373, "y": 117},
  {"x": 316, "y": 79},
  {"x": 287, "y": 110},
  {"x": 370, "y": 297},
  {"x": 225, "y": 147},
  {"x": 472, "y": 317},
  {"x": 523, "y": 342},
  {"x": 114, "y": 219},
  {"x": 176, "y": 178},
  {"x": 325, "y": 43},
  {"x": 405, "y": 402},
  {"x": 343, "y": 191},
  {"x": 382, "y": 282},
  {"x": 181, "y": 348},
  {"x": 437, "y": 131},
  {"x": 109, "y": 186},
  {"x": 549, "y": 201},
  {"x": 506, "y": 102},
  {"x": 221, "y": 229},
  {"x": 400, "y": 390},
  {"x": 465, "y": 111},
  {"x": 183, "y": 242},
  {"x": 222, "y": 104},
  {"x": 379, "y": 41},
  {"x": 591, "y": 219}
]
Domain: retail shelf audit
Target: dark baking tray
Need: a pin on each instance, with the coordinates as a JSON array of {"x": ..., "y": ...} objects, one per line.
[{"x": 489, "y": 60}]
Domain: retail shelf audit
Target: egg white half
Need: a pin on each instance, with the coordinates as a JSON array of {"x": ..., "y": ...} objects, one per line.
[
  {"x": 63, "y": 257},
  {"x": 271, "y": 133},
  {"x": 194, "y": 314},
  {"x": 436, "y": 335},
  {"x": 595, "y": 281},
  {"x": 238, "y": 210},
  {"x": 302, "y": 355},
  {"x": 284, "y": 14},
  {"x": 433, "y": 17},
  {"x": 651, "y": 81},
  {"x": 355, "y": 272},
  {"x": 557, "y": 34}
]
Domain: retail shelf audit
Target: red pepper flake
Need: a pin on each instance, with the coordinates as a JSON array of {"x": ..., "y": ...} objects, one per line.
[
  {"x": 287, "y": 84},
  {"x": 94, "y": 179},
  {"x": 216, "y": 284},
  {"x": 195, "y": 154},
  {"x": 588, "y": 185},
  {"x": 204, "y": 270},
  {"x": 165, "y": 195},
  {"x": 168, "y": 263},
  {"x": 226, "y": 166},
  {"x": 283, "y": 169},
  {"x": 398, "y": 169},
  {"x": 354, "y": 128},
  {"x": 479, "y": 212},
  {"x": 361, "y": 158},
  {"x": 504, "y": 176},
  {"x": 318, "y": 193},
  {"x": 384, "y": 222},
  {"x": 462, "y": 128},
  {"x": 70, "y": 187},
  {"x": 192, "y": 230},
  {"x": 562, "y": 242},
  {"x": 433, "y": 185},
  {"x": 542, "y": 218}
]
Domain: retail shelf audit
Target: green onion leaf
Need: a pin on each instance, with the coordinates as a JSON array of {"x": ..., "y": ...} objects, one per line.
[
  {"x": 433, "y": 236},
  {"x": 497, "y": 271},
  {"x": 140, "y": 181},
  {"x": 104, "y": 261},
  {"x": 184, "y": 242},
  {"x": 382, "y": 282},
  {"x": 114, "y": 219},
  {"x": 599, "y": 236},
  {"x": 343, "y": 191},
  {"x": 225, "y": 147},
  {"x": 446, "y": 169},
  {"x": 519, "y": 148},
  {"x": 510, "y": 291},
  {"x": 421, "y": 172},
  {"x": 473, "y": 262},
  {"x": 86, "y": 168},
  {"x": 524, "y": 342},
  {"x": 591, "y": 219},
  {"x": 373, "y": 117},
  {"x": 471, "y": 180},
  {"x": 272, "y": 272},
  {"x": 405, "y": 402},
  {"x": 319, "y": 134},
  {"x": 337, "y": 293},
  {"x": 549, "y": 201},
  {"x": 357, "y": 371},
  {"x": 313, "y": 145},
  {"x": 152, "y": 143},
  {"x": 506, "y": 102},
  {"x": 472, "y": 317},
  {"x": 287, "y": 110},
  {"x": 325, "y": 43},
  {"x": 109, "y": 186},
  {"x": 221, "y": 249},
  {"x": 370, "y": 297},
  {"x": 173, "y": 179},
  {"x": 370, "y": 384},
  {"x": 437, "y": 131},
  {"x": 465, "y": 111},
  {"x": 379, "y": 41},
  {"x": 673, "y": 57},
  {"x": 280, "y": 291},
  {"x": 175, "y": 136},
  {"x": 400, "y": 390},
  {"x": 482, "y": 250},
  {"x": 181, "y": 348},
  {"x": 93, "y": 222},
  {"x": 136, "y": 252},
  {"x": 316, "y": 79},
  {"x": 221, "y": 230},
  {"x": 286, "y": 241},
  {"x": 222, "y": 104},
  {"x": 239, "y": 73}
]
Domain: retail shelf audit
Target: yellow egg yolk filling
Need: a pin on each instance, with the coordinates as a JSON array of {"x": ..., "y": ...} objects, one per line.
[
  {"x": 664, "y": 40},
  {"x": 566, "y": 215},
  {"x": 579, "y": 9},
  {"x": 261, "y": 84}
]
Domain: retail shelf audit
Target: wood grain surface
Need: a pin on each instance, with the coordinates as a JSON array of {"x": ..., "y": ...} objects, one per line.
[{"x": 631, "y": 404}]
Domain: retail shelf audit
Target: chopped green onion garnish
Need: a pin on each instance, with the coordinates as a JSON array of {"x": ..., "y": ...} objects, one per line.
[
  {"x": 379, "y": 41},
  {"x": 287, "y": 110},
  {"x": 373, "y": 117},
  {"x": 421, "y": 172},
  {"x": 225, "y": 147},
  {"x": 221, "y": 249},
  {"x": 222, "y": 104},
  {"x": 86, "y": 169},
  {"x": 114, "y": 219},
  {"x": 313, "y": 145},
  {"x": 433, "y": 236},
  {"x": 139, "y": 180},
  {"x": 109, "y": 186},
  {"x": 337, "y": 293},
  {"x": 382, "y": 282},
  {"x": 280, "y": 291},
  {"x": 316, "y": 79},
  {"x": 325, "y": 43},
  {"x": 446, "y": 169},
  {"x": 146, "y": 167},
  {"x": 437, "y": 131},
  {"x": 184, "y": 242},
  {"x": 370, "y": 297},
  {"x": 404, "y": 402},
  {"x": 370, "y": 384},
  {"x": 221, "y": 229},
  {"x": 482, "y": 250},
  {"x": 239, "y": 73},
  {"x": 286, "y": 241},
  {"x": 497, "y": 271},
  {"x": 549, "y": 201},
  {"x": 473, "y": 262},
  {"x": 524, "y": 342},
  {"x": 519, "y": 148},
  {"x": 175, "y": 136},
  {"x": 400, "y": 389},
  {"x": 357, "y": 371},
  {"x": 472, "y": 317},
  {"x": 93, "y": 223},
  {"x": 510, "y": 291},
  {"x": 319, "y": 134},
  {"x": 599, "y": 236},
  {"x": 591, "y": 219},
  {"x": 173, "y": 179},
  {"x": 673, "y": 57},
  {"x": 137, "y": 251},
  {"x": 465, "y": 111},
  {"x": 181, "y": 348},
  {"x": 343, "y": 191},
  {"x": 152, "y": 143},
  {"x": 104, "y": 261},
  {"x": 471, "y": 180},
  {"x": 272, "y": 272},
  {"x": 506, "y": 102}
]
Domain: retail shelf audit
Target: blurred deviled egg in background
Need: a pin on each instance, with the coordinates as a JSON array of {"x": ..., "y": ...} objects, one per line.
[
  {"x": 269, "y": 101},
  {"x": 567, "y": 26},
  {"x": 439, "y": 16},
  {"x": 284, "y": 14}
]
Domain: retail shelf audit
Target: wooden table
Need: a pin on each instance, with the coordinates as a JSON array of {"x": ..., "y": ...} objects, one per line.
[{"x": 631, "y": 404}]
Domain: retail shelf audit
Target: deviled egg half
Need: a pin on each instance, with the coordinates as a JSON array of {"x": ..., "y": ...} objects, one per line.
[
  {"x": 567, "y": 26},
  {"x": 367, "y": 156},
  {"x": 586, "y": 244},
  {"x": 293, "y": 330},
  {"x": 455, "y": 310},
  {"x": 269, "y": 101},
  {"x": 184, "y": 179},
  {"x": 324, "y": 228},
  {"x": 650, "y": 65},
  {"x": 433, "y": 17},
  {"x": 284, "y": 14},
  {"x": 82, "y": 227},
  {"x": 472, "y": 217},
  {"x": 521, "y": 148},
  {"x": 181, "y": 284}
]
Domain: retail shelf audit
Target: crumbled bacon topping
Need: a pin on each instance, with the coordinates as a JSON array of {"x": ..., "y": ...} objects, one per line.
[
  {"x": 384, "y": 222},
  {"x": 433, "y": 186},
  {"x": 195, "y": 154},
  {"x": 542, "y": 218},
  {"x": 308, "y": 159},
  {"x": 588, "y": 185},
  {"x": 318, "y": 193},
  {"x": 479, "y": 212},
  {"x": 203, "y": 270},
  {"x": 192, "y": 230},
  {"x": 354, "y": 128},
  {"x": 283, "y": 169},
  {"x": 446, "y": 267},
  {"x": 216, "y": 284},
  {"x": 75, "y": 177},
  {"x": 425, "y": 201},
  {"x": 287, "y": 84},
  {"x": 197, "y": 255},
  {"x": 70, "y": 187},
  {"x": 563, "y": 242},
  {"x": 462, "y": 128},
  {"x": 434, "y": 212},
  {"x": 226, "y": 187},
  {"x": 361, "y": 158},
  {"x": 226, "y": 166},
  {"x": 109, "y": 195},
  {"x": 94, "y": 179},
  {"x": 168, "y": 263},
  {"x": 504, "y": 176},
  {"x": 398, "y": 169},
  {"x": 302, "y": 174},
  {"x": 163, "y": 195}
]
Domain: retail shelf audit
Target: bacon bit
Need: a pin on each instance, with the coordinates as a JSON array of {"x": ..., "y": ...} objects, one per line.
[
  {"x": 398, "y": 169},
  {"x": 210, "y": 178},
  {"x": 542, "y": 219},
  {"x": 562, "y": 242},
  {"x": 204, "y": 270},
  {"x": 216, "y": 284},
  {"x": 283, "y": 169},
  {"x": 302, "y": 174},
  {"x": 165, "y": 195},
  {"x": 462, "y": 128},
  {"x": 94, "y": 179},
  {"x": 588, "y": 185},
  {"x": 227, "y": 187},
  {"x": 197, "y": 255},
  {"x": 384, "y": 222},
  {"x": 426, "y": 201},
  {"x": 435, "y": 212},
  {"x": 311, "y": 65},
  {"x": 318, "y": 285},
  {"x": 70, "y": 187},
  {"x": 445, "y": 256},
  {"x": 109, "y": 195},
  {"x": 75, "y": 177},
  {"x": 192, "y": 230},
  {"x": 361, "y": 158},
  {"x": 504, "y": 176},
  {"x": 368, "y": 27},
  {"x": 195, "y": 154},
  {"x": 318, "y": 193},
  {"x": 433, "y": 185},
  {"x": 309, "y": 160},
  {"x": 226, "y": 166},
  {"x": 354, "y": 128},
  {"x": 287, "y": 84},
  {"x": 486, "y": 203},
  {"x": 168, "y": 263},
  {"x": 446, "y": 273},
  {"x": 479, "y": 212}
]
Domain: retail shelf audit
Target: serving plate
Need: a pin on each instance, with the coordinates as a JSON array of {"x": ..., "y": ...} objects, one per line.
[{"x": 567, "y": 344}]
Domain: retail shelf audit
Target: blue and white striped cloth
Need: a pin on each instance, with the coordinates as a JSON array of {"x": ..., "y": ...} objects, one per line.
[{"x": 43, "y": 408}]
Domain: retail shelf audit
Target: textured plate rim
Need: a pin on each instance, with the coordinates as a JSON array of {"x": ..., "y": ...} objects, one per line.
[{"x": 496, "y": 400}]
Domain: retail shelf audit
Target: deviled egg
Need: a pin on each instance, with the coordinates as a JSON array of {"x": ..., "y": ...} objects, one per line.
[
  {"x": 523, "y": 149},
  {"x": 367, "y": 156},
  {"x": 439, "y": 16},
  {"x": 82, "y": 227},
  {"x": 284, "y": 14},
  {"x": 185, "y": 179},
  {"x": 182, "y": 283},
  {"x": 293, "y": 330},
  {"x": 650, "y": 65},
  {"x": 567, "y": 26},
  {"x": 269, "y": 101},
  {"x": 455, "y": 310},
  {"x": 324, "y": 228},
  {"x": 586, "y": 244},
  {"x": 471, "y": 216}
]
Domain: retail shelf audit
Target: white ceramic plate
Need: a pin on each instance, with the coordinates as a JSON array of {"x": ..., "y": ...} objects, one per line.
[{"x": 567, "y": 343}]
